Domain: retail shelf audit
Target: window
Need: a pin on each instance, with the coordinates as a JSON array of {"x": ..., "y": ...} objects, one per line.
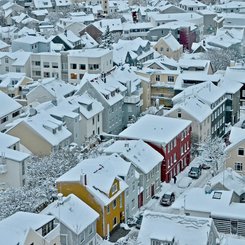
[
  {"x": 133, "y": 203},
  {"x": 47, "y": 228},
  {"x": 37, "y": 63},
  {"x": 37, "y": 73},
  {"x": 73, "y": 66},
  {"x": 108, "y": 209},
  {"x": 82, "y": 67},
  {"x": 46, "y": 74},
  {"x": 98, "y": 130},
  {"x": 46, "y": 64},
  {"x": 23, "y": 168},
  {"x": 179, "y": 114},
  {"x": 7, "y": 69},
  {"x": 93, "y": 120},
  {"x": 233, "y": 227},
  {"x": 238, "y": 166},
  {"x": 4, "y": 119},
  {"x": 15, "y": 114},
  {"x": 114, "y": 188},
  {"x": 82, "y": 237},
  {"x": 6, "y": 60},
  {"x": 90, "y": 229},
  {"x": 241, "y": 152},
  {"x": 93, "y": 66},
  {"x": 18, "y": 69},
  {"x": 55, "y": 65},
  {"x": 115, "y": 203},
  {"x": 120, "y": 200},
  {"x": 217, "y": 195},
  {"x": 114, "y": 221},
  {"x": 98, "y": 118},
  {"x": 170, "y": 78},
  {"x": 157, "y": 78},
  {"x": 73, "y": 75}
]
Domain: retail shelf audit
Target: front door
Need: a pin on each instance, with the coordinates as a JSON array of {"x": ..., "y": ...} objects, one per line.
[{"x": 152, "y": 190}]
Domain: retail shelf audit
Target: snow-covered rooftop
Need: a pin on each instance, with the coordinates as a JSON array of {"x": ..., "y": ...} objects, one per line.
[
  {"x": 9, "y": 105},
  {"x": 194, "y": 107},
  {"x": 166, "y": 227},
  {"x": 13, "y": 230},
  {"x": 101, "y": 173},
  {"x": 155, "y": 129},
  {"x": 138, "y": 152},
  {"x": 73, "y": 213}
]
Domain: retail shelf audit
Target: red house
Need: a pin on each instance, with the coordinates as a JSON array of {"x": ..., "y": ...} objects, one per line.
[{"x": 169, "y": 136}]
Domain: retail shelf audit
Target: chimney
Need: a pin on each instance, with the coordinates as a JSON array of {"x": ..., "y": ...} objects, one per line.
[
  {"x": 83, "y": 178},
  {"x": 60, "y": 198}
]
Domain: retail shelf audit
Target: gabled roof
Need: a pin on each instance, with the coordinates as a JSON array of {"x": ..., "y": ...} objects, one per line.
[
  {"x": 9, "y": 105},
  {"x": 155, "y": 129},
  {"x": 47, "y": 127},
  {"x": 183, "y": 229},
  {"x": 194, "y": 107},
  {"x": 171, "y": 41},
  {"x": 13, "y": 230},
  {"x": 138, "y": 152},
  {"x": 231, "y": 180},
  {"x": 205, "y": 91},
  {"x": 72, "y": 212},
  {"x": 236, "y": 137},
  {"x": 100, "y": 175}
]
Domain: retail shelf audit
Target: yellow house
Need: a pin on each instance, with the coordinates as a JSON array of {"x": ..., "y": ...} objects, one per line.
[
  {"x": 161, "y": 84},
  {"x": 235, "y": 151},
  {"x": 96, "y": 183},
  {"x": 169, "y": 47}
]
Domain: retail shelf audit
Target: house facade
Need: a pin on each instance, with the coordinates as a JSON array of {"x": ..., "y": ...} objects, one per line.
[
  {"x": 47, "y": 133},
  {"x": 174, "y": 145},
  {"x": 70, "y": 213},
  {"x": 12, "y": 162},
  {"x": 169, "y": 47},
  {"x": 235, "y": 150},
  {"x": 98, "y": 186},
  {"x": 147, "y": 163},
  {"x": 9, "y": 112}
]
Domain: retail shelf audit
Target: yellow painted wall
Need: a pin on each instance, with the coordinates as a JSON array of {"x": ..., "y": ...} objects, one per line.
[
  {"x": 105, "y": 218},
  {"x": 32, "y": 141}
]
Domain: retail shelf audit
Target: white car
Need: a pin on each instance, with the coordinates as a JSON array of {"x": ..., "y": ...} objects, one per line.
[{"x": 184, "y": 182}]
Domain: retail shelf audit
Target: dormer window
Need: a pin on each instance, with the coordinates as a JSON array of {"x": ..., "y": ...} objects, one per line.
[
  {"x": 114, "y": 189},
  {"x": 118, "y": 90},
  {"x": 113, "y": 93},
  {"x": 106, "y": 96},
  {"x": 54, "y": 131}
]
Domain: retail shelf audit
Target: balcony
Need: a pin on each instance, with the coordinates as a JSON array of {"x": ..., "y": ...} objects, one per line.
[{"x": 134, "y": 99}]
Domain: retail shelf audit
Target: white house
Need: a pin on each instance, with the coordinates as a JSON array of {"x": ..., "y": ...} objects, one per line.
[
  {"x": 10, "y": 110},
  {"x": 12, "y": 162},
  {"x": 28, "y": 228},
  {"x": 163, "y": 228},
  {"x": 222, "y": 206},
  {"x": 147, "y": 163},
  {"x": 77, "y": 220}
]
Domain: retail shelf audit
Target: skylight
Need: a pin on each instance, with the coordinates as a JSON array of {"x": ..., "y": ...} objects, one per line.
[{"x": 217, "y": 195}]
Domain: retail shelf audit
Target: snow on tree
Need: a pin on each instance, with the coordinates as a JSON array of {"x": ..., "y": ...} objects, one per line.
[
  {"x": 220, "y": 58},
  {"x": 106, "y": 39},
  {"x": 41, "y": 173},
  {"x": 212, "y": 150}
]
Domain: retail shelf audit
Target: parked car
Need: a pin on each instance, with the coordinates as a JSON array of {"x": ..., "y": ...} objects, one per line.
[
  {"x": 243, "y": 124},
  {"x": 167, "y": 199},
  {"x": 205, "y": 166},
  {"x": 139, "y": 221},
  {"x": 184, "y": 182},
  {"x": 195, "y": 172}
]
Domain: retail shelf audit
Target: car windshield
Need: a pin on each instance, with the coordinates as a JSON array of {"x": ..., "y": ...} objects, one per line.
[
  {"x": 166, "y": 196},
  {"x": 194, "y": 169}
]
